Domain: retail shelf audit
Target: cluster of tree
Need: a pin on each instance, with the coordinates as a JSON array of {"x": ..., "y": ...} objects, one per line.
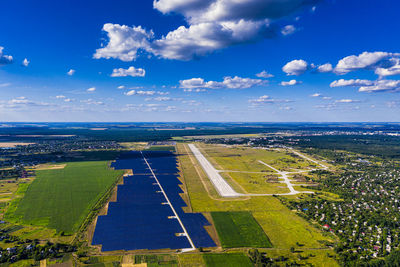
[
  {"x": 260, "y": 259},
  {"x": 378, "y": 145},
  {"x": 13, "y": 173},
  {"x": 33, "y": 250},
  {"x": 58, "y": 151}
]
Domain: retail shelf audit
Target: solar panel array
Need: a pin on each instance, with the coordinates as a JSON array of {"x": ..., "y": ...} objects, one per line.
[{"x": 141, "y": 218}]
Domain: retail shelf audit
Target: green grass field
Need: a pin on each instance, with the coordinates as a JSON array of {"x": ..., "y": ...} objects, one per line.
[
  {"x": 227, "y": 259},
  {"x": 62, "y": 198},
  {"x": 246, "y": 159},
  {"x": 257, "y": 183},
  {"x": 282, "y": 226},
  {"x": 239, "y": 229}
]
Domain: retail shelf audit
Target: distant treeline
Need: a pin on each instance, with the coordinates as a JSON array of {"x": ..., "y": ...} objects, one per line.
[
  {"x": 131, "y": 132},
  {"x": 119, "y": 135},
  {"x": 378, "y": 145}
]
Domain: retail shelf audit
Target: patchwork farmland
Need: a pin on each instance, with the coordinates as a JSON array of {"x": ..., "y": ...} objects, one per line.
[{"x": 167, "y": 203}]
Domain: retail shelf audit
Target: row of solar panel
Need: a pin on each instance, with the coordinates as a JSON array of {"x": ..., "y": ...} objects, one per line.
[{"x": 141, "y": 218}]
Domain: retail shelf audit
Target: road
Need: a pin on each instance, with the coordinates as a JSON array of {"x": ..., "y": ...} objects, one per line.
[
  {"x": 286, "y": 180},
  {"x": 310, "y": 159}
]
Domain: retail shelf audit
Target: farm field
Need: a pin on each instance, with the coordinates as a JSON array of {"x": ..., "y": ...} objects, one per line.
[
  {"x": 235, "y": 259},
  {"x": 239, "y": 229},
  {"x": 134, "y": 145},
  {"x": 228, "y": 259},
  {"x": 65, "y": 196},
  {"x": 161, "y": 148},
  {"x": 191, "y": 260},
  {"x": 13, "y": 144}
]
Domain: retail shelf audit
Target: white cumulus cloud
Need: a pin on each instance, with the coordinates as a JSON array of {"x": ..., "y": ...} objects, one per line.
[
  {"x": 145, "y": 93},
  {"x": 140, "y": 92},
  {"x": 347, "y": 101},
  {"x": 392, "y": 70},
  {"x": 365, "y": 60},
  {"x": 295, "y": 67},
  {"x": 131, "y": 71},
  {"x": 91, "y": 89},
  {"x": 5, "y": 59},
  {"x": 228, "y": 83},
  {"x": 71, "y": 72},
  {"x": 264, "y": 74},
  {"x": 124, "y": 42},
  {"x": 369, "y": 86},
  {"x": 186, "y": 43},
  {"x": 290, "y": 83},
  {"x": 351, "y": 82},
  {"x": 265, "y": 99},
  {"x": 316, "y": 95},
  {"x": 327, "y": 67},
  {"x": 211, "y": 25},
  {"x": 288, "y": 29},
  {"x": 382, "y": 86},
  {"x": 25, "y": 62}
]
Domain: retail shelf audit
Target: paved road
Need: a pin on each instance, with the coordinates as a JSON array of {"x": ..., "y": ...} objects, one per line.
[
  {"x": 286, "y": 180},
  {"x": 310, "y": 159},
  {"x": 223, "y": 188}
]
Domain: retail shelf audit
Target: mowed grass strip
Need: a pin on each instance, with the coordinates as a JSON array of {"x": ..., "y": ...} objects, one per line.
[
  {"x": 239, "y": 229},
  {"x": 227, "y": 259},
  {"x": 62, "y": 198}
]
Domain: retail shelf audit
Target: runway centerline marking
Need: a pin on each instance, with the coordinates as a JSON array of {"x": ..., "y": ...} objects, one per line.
[{"x": 222, "y": 186}]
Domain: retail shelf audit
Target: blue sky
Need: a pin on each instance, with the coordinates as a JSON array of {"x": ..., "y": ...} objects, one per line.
[{"x": 198, "y": 60}]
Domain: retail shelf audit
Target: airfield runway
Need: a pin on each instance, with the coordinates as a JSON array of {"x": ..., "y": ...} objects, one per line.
[{"x": 223, "y": 188}]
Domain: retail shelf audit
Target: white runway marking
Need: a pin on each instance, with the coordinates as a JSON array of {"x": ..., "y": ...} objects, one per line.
[{"x": 223, "y": 188}]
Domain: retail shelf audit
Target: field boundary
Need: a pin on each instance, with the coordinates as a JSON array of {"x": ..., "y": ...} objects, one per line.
[{"x": 97, "y": 209}]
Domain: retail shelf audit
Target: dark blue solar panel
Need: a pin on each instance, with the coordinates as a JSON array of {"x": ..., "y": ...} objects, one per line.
[{"x": 139, "y": 219}]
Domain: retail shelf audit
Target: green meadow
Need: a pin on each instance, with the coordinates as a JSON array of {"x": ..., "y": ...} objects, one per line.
[
  {"x": 61, "y": 199},
  {"x": 227, "y": 259},
  {"x": 283, "y": 227},
  {"x": 239, "y": 229}
]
